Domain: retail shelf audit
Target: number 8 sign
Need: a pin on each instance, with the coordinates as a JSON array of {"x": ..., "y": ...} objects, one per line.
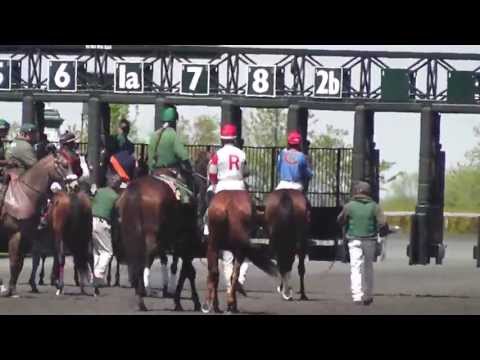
[
  {"x": 261, "y": 81},
  {"x": 62, "y": 75}
]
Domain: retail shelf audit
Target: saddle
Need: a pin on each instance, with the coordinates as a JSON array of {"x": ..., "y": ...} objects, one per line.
[{"x": 171, "y": 177}]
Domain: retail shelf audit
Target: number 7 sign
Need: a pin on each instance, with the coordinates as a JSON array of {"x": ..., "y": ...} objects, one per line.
[{"x": 195, "y": 79}]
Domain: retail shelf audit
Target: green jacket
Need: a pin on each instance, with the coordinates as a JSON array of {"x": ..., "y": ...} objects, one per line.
[
  {"x": 22, "y": 151},
  {"x": 170, "y": 150},
  {"x": 104, "y": 202},
  {"x": 363, "y": 217}
]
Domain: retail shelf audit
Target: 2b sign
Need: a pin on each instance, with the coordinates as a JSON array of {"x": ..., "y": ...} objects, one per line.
[
  {"x": 261, "y": 81},
  {"x": 5, "y": 74},
  {"x": 62, "y": 75},
  {"x": 128, "y": 77},
  {"x": 328, "y": 83},
  {"x": 195, "y": 79}
]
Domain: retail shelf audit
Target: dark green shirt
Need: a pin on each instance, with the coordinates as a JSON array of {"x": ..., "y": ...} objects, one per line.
[
  {"x": 104, "y": 202},
  {"x": 362, "y": 216},
  {"x": 170, "y": 150}
]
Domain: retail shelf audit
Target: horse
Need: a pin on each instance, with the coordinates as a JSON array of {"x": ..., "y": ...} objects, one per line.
[
  {"x": 70, "y": 220},
  {"x": 200, "y": 182},
  {"x": 231, "y": 218},
  {"x": 19, "y": 217},
  {"x": 286, "y": 223}
]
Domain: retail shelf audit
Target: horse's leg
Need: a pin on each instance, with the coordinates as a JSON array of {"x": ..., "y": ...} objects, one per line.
[
  {"x": 301, "y": 272},
  {"x": 164, "y": 265},
  {"x": 191, "y": 274},
  {"x": 181, "y": 281},
  {"x": 109, "y": 273},
  {"x": 35, "y": 264},
  {"x": 60, "y": 255},
  {"x": 117, "y": 274},
  {"x": 212, "y": 281},
  {"x": 42, "y": 271},
  {"x": 173, "y": 278},
  {"x": 232, "y": 291},
  {"x": 16, "y": 263},
  {"x": 75, "y": 274},
  {"x": 146, "y": 270}
]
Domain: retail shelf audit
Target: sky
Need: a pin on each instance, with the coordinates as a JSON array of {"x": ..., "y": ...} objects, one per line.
[{"x": 397, "y": 135}]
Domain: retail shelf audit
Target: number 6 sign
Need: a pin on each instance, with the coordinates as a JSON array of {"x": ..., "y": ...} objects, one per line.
[{"x": 62, "y": 75}]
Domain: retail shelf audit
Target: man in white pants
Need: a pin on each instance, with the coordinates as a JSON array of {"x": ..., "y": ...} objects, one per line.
[{"x": 363, "y": 219}]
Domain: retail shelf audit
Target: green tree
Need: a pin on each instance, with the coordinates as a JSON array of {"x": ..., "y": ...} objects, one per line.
[
  {"x": 265, "y": 127},
  {"x": 204, "y": 130},
  {"x": 403, "y": 192},
  {"x": 119, "y": 112}
]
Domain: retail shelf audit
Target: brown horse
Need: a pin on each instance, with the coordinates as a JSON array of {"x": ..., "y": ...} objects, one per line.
[
  {"x": 286, "y": 222},
  {"x": 20, "y": 215},
  {"x": 231, "y": 220},
  {"x": 152, "y": 223},
  {"x": 70, "y": 220}
]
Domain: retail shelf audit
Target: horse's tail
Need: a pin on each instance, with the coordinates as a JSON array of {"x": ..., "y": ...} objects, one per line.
[
  {"x": 80, "y": 232},
  {"x": 284, "y": 220},
  {"x": 261, "y": 260}
]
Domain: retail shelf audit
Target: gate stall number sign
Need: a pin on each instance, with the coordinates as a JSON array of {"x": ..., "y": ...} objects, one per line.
[
  {"x": 5, "y": 74},
  {"x": 62, "y": 75},
  {"x": 261, "y": 81},
  {"x": 328, "y": 82},
  {"x": 128, "y": 77},
  {"x": 195, "y": 79}
]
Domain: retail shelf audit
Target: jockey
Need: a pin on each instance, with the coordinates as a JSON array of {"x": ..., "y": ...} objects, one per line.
[
  {"x": 123, "y": 165},
  {"x": 227, "y": 171},
  {"x": 292, "y": 165},
  {"x": 166, "y": 151},
  {"x": 123, "y": 142},
  {"x": 21, "y": 151}
]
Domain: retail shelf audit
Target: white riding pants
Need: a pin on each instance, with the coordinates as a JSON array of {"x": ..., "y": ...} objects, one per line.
[
  {"x": 228, "y": 258},
  {"x": 289, "y": 185},
  {"x": 102, "y": 247},
  {"x": 362, "y": 253}
]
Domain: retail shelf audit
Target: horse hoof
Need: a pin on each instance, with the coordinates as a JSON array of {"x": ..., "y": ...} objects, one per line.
[
  {"x": 41, "y": 283},
  {"x": 217, "y": 310},
  {"x": 96, "y": 292},
  {"x": 232, "y": 309},
  {"x": 178, "y": 307},
  {"x": 206, "y": 308},
  {"x": 34, "y": 291},
  {"x": 59, "y": 292},
  {"x": 197, "y": 307},
  {"x": 279, "y": 289},
  {"x": 142, "y": 307},
  {"x": 117, "y": 284},
  {"x": 304, "y": 297},
  {"x": 167, "y": 295}
]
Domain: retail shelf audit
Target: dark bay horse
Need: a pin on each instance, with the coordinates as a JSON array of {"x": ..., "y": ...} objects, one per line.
[
  {"x": 20, "y": 215},
  {"x": 152, "y": 223},
  {"x": 286, "y": 223},
  {"x": 231, "y": 218}
]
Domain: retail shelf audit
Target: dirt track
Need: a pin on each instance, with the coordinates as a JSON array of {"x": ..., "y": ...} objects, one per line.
[{"x": 452, "y": 288}]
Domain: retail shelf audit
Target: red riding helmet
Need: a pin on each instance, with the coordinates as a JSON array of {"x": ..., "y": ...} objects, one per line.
[
  {"x": 228, "y": 132},
  {"x": 294, "y": 138}
]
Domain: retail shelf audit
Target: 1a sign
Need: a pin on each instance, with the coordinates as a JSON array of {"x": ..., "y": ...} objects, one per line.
[
  {"x": 328, "y": 82},
  {"x": 5, "y": 74},
  {"x": 62, "y": 75},
  {"x": 195, "y": 79},
  {"x": 128, "y": 77},
  {"x": 261, "y": 80}
]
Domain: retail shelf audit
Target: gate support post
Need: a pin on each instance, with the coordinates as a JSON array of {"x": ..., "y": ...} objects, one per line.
[
  {"x": 94, "y": 141},
  {"x": 106, "y": 141},
  {"x": 365, "y": 158},
  {"x": 232, "y": 114},
  {"x": 426, "y": 233},
  {"x": 33, "y": 112},
  {"x": 159, "y": 105}
]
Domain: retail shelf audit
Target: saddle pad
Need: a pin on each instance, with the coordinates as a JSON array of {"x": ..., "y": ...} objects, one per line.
[
  {"x": 170, "y": 182},
  {"x": 17, "y": 203}
]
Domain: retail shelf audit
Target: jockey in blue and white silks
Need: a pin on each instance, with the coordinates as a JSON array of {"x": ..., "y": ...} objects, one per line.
[{"x": 292, "y": 165}]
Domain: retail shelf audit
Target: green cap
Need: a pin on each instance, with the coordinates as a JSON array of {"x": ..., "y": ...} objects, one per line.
[
  {"x": 169, "y": 114},
  {"x": 4, "y": 125},
  {"x": 28, "y": 128}
]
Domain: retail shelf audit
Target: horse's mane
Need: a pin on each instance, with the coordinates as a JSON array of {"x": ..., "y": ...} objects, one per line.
[{"x": 38, "y": 164}]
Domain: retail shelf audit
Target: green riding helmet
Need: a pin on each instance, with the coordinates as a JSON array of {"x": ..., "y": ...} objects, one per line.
[
  {"x": 169, "y": 114},
  {"x": 4, "y": 125}
]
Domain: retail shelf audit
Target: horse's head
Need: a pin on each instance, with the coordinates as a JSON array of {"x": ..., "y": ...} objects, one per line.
[{"x": 59, "y": 165}]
